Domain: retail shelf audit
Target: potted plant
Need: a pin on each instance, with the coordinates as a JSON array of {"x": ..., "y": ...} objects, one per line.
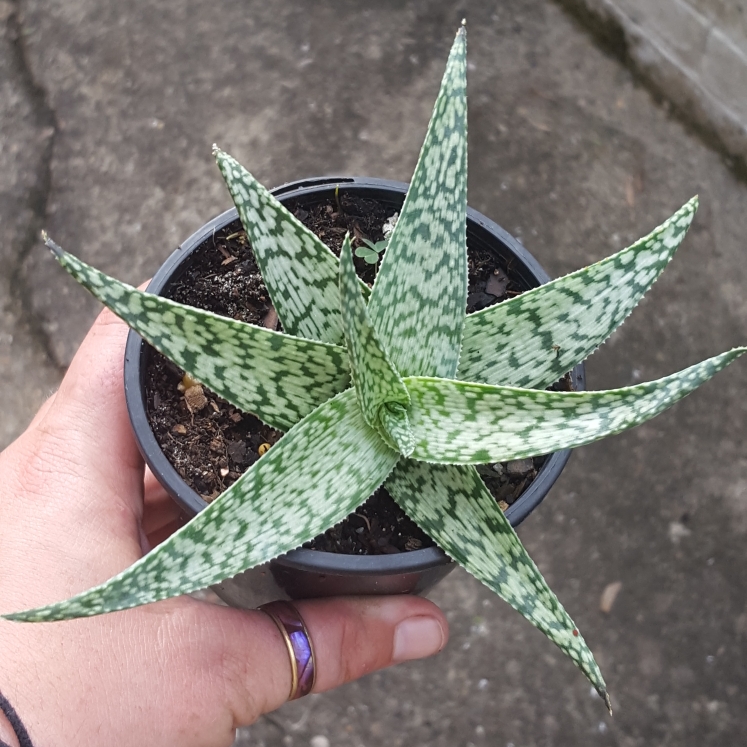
[
  {"x": 434, "y": 392},
  {"x": 305, "y": 572}
]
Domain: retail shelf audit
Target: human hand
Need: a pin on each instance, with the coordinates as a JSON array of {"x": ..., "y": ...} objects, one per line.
[{"x": 77, "y": 507}]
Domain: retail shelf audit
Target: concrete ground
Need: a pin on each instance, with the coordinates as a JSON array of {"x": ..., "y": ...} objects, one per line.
[
  {"x": 107, "y": 114},
  {"x": 694, "y": 52}
]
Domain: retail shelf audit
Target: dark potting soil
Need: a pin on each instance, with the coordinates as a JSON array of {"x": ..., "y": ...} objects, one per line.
[{"x": 211, "y": 443}]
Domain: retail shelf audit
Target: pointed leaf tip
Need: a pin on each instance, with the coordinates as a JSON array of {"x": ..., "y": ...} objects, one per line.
[
  {"x": 56, "y": 249},
  {"x": 277, "y": 377},
  {"x": 420, "y": 293},
  {"x": 301, "y": 273},
  {"x": 533, "y": 339},
  {"x": 318, "y": 473},
  {"x": 463, "y": 518}
]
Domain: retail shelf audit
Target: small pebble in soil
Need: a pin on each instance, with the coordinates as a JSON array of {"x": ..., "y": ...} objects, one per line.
[
  {"x": 520, "y": 467},
  {"x": 237, "y": 451},
  {"x": 195, "y": 398},
  {"x": 497, "y": 283}
]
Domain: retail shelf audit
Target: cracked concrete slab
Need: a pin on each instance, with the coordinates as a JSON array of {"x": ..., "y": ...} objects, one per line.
[
  {"x": 568, "y": 153},
  {"x": 28, "y": 372}
]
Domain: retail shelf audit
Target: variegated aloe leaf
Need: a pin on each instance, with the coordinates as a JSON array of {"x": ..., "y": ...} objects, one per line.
[
  {"x": 381, "y": 394},
  {"x": 454, "y": 422},
  {"x": 319, "y": 472},
  {"x": 395, "y": 427},
  {"x": 464, "y": 519},
  {"x": 533, "y": 339},
  {"x": 419, "y": 298},
  {"x": 299, "y": 270},
  {"x": 279, "y": 378}
]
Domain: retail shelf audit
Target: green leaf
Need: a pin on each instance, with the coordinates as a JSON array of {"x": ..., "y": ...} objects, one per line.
[
  {"x": 299, "y": 270},
  {"x": 279, "y": 378},
  {"x": 377, "y": 247},
  {"x": 369, "y": 253},
  {"x": 394, "y": 427},
  {"x": 418, "y": 301},
  {"x": 377, "y": 384},
  {"x": 453, "y": 506},
  {"x": 317, "y": 474},
  {"x": 535, "y": 338},
  {"x": 454, "y": 422}
]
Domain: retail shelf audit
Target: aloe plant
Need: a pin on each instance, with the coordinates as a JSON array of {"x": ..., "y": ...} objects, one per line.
[{"x": 392, "y": 386}]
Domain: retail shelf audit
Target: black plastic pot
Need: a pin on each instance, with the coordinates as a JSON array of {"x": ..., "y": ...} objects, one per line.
[{"x": 309, "y": 573}]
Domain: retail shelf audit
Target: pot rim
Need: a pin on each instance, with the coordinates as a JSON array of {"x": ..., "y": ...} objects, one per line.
[{"x": 316, "y": 560}]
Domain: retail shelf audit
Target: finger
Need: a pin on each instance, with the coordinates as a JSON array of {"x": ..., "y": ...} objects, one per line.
[
  {"x": 159, "y": 509},
  {"x": 154, "y": 492},
  {"x": 162, "y": 533},
  {"x": 43, "y": 410},
  {"x": 80, "y": 469},
  {"x": 90, "y": 404},
  {"x": 89, "y": 416},
  {"x": 351, "y": 637}
]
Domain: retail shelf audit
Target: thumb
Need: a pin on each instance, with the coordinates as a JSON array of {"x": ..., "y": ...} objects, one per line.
[
  {"x": 87, "y": 420},
  {"x": 350, "y": 637}
]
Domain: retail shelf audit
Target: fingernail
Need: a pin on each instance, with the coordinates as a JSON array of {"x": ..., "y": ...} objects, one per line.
[{"x": 416, "y": 638}]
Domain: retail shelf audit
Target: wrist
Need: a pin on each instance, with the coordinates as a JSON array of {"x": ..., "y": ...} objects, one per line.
[{"x": 7, "y": 732}]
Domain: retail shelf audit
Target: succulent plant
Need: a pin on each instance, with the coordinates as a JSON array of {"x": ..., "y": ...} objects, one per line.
[{"x": 393, "y": 385}]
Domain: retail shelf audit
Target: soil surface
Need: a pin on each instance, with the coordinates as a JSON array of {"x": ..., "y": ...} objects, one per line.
[{"x": 211, "y": 443}]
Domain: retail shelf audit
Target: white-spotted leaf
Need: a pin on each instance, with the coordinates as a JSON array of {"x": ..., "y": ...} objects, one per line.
[
  {"x": 279, "y": 378},
  {"x": 419, "y": 298},
  {"x": 463, "y": 518},
  {"x": 378, "y": 386},
  {"x": 455, "y": 422},
  {"x": 299, "y": 270},
  {"x": 394, "y": 427},
  {"x": 317, "y": 474},
  {"x": 533, "y": 339}
]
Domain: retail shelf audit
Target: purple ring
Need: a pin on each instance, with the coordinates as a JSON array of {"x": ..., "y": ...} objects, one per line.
[{"x": 298, "y": 642}]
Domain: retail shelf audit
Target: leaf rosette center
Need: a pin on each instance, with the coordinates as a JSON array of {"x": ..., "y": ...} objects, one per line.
[{"x": 380, "y": 391}]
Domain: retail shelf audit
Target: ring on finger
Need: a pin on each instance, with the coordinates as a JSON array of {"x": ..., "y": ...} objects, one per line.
[{"x": 298, "y": 642}]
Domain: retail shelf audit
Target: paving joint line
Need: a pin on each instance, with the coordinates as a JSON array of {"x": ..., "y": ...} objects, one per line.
[{"x": 38, "y": 196}]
